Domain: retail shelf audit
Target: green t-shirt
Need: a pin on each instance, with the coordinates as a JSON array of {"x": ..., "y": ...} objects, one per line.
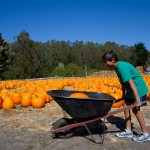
[{"x": 125, "y": 72}]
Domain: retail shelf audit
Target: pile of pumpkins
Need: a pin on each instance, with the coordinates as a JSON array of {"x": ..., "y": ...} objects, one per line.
[{"x": 34, "y": 92}]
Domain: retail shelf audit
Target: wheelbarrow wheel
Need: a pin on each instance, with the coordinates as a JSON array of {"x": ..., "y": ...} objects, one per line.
[{"x": 60, "y": 123}]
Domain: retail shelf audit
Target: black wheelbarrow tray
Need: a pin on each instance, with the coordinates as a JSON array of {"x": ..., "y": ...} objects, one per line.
[{"x": 83, "y": 110}]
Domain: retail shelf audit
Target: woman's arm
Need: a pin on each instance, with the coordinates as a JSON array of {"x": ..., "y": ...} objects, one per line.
[{"x": 134, "y": 89}]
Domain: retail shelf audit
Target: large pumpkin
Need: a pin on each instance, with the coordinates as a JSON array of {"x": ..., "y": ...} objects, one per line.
[{"x": 79, "y": 95}]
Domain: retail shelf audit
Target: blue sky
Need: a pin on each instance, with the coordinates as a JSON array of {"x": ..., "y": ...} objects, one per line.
[{"x": 125, "y": 22}]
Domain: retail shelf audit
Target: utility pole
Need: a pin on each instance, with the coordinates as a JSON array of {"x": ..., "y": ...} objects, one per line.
[{"x": 85, "y": 70}]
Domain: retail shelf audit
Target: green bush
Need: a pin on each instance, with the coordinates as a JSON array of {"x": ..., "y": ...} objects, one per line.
[{"x": 71, "y": 70}]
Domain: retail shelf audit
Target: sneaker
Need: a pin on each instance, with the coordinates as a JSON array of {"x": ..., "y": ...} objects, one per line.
[
  {"x": 125, "y": 134},
  {"x": 142, "y": 138}
]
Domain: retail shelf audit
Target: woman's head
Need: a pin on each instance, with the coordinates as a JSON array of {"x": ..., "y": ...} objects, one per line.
[{"x": 110, "y": 58}]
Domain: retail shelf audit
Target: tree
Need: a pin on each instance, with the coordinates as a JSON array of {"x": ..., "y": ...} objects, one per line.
[
  {"x": 74, "y": 70},
  {"x": 141, "y": 54},
  {"x": 28, "y": 56},
  {"x": 5, "y": 56},
  {"x": 36, "y": 59}
]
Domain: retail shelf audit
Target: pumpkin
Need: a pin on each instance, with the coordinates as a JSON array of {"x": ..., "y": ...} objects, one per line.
[
  {"x": 37, "y": 102},
  {"x": 118, "y": 104},
  {"x": 26, "y": 99},
  {"x": 1, "y": 101},
  {"x": 16, "y": 96},
  {"x": 148, "y": 96},
  {"x": 48, "y": 98},
  {"x": 8, "y": 103},
  {"x": 79, "y": 95},
  {"x": 11, "y": 85},
  {"x": 32, "y": 88}
]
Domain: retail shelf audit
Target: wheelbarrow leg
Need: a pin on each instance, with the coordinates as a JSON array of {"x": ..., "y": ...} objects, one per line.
[
  {"x": 93, "y": 139},
  {"x": 102, "y": 135}
]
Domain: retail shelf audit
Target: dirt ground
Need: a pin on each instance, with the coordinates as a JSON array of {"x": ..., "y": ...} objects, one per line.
[{"x": 30, "y": 129}]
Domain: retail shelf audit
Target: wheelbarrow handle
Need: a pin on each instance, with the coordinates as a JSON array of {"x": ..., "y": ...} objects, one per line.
[{"x": 68, "y": 127}]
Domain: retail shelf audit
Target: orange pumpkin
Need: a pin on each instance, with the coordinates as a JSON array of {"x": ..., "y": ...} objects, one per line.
[
  {"x": 8, "y": 103},
  {"x": 148, "y": 96},
  {"x": 1, "y": 101},
  {"x": 26, "y": 100},
  {"x": 33, "y": 88},
  {"x": 48, "y": 98},
  {"x": 37, "y": 102},
  {"x": 79, "y": 95},
  {"x": 118, "y": 104},
  {"x": 70, "y": 82},
  {"x": 42, "y": 95},
  {"x": 11, "y": 85},
  {"x": 16, "y": 97}
]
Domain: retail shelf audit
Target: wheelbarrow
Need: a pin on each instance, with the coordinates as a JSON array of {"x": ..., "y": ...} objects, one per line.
[{"x": 83, "y": 111}]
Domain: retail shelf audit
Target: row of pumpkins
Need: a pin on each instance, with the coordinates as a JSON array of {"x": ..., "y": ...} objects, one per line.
[{"x": 34, "y": 92}]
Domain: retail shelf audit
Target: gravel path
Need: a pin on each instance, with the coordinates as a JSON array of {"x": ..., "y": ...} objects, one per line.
[{"x": 30, "y": 129}]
